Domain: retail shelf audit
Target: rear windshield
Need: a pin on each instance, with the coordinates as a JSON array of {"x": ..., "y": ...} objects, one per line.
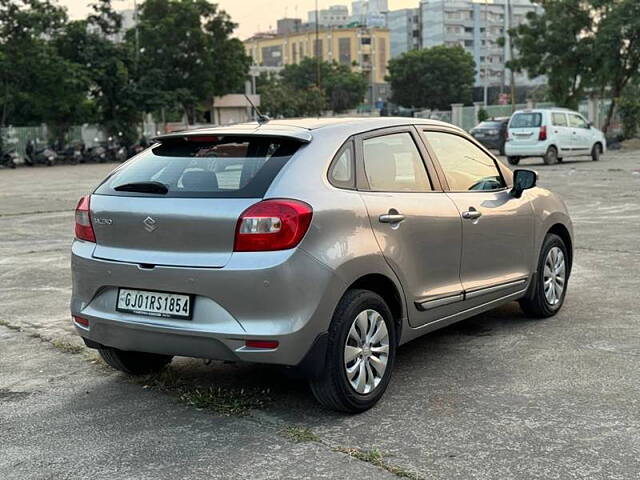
[
  {"x": 224, "y": 166},
  {"x": 526, "y": 120},
  {"x": 491, "y": 124}
]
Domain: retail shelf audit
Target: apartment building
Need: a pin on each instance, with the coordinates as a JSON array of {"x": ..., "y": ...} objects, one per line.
[
  {"x": 476, "y": 25},
  {"x": 405, "y": 30},
  {"x": 364, "y": 50},
  {"x": 334, "y": 16}
]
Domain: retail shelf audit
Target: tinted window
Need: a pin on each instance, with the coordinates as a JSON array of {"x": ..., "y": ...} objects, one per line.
[
  {"x": 342, "y": 172},
  {"x": 577, "y": 121},
  {"x": 489, "y": 125},
  {"x": 559, "y": 119},
  {"x": 393, "y": 164},
  {"x": 206, "y": 167},
  {"x": 526, "y": 120},
  {"x": 466, "y": 166}
]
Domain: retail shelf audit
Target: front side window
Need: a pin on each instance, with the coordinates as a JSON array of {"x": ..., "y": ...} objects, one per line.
[
  {"x": 465, "y": 166},
  {"x": 526, "y": 120},
  {"x": 577, "y": 121},
  {"x": 559, "y": 119},
  {"x": 393, "y": 163}
]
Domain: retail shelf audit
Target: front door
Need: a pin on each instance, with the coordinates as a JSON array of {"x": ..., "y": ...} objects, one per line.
[
  {"x": 497, "y": 229},
  {"x": 581, "y": 134},
  {"x": 416, "y": 224}
]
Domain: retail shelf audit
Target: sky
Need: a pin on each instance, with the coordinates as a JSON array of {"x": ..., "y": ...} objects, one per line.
[{"x": 250, "y": 15}]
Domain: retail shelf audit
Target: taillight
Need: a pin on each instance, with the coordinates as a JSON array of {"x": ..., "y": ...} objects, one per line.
[
  {"x": 272, "y": 225},
  {"x": 84, "y": 229},
  {"x": 543, "y": 133},
  {"x": 81, "y": 321}
]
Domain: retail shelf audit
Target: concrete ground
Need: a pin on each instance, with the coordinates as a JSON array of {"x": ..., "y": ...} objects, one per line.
[{"x": 497, "y": 396}]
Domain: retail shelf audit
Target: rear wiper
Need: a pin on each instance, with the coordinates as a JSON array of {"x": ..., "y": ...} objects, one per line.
[{"x": 143, "y": 187}]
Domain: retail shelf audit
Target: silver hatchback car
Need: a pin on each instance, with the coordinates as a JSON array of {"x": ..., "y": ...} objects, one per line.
[{"x": 320, "y": 244}]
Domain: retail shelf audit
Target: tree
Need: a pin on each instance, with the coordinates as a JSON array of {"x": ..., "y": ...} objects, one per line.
[
  {"x": 280, "y": 100},
  {"x": 617, "y": 48},
  {"x": 629, "y": 104},
  {"x": 342, "y": 88},
  {"x": 186, "y": 53},
  {"x": 559, "y": 44},
  {"x": 433, "y": 77},
  {"x": 110, "y": 67}
]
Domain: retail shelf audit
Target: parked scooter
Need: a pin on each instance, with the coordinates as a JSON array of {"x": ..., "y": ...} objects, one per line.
[
  {"x": 97, "y": 153},
  {"x": 116, "y": 152},
  {"x": 9, "y": 158},
  {"x": 71, "y": 153},
  {"x": 45, "y": 155}
]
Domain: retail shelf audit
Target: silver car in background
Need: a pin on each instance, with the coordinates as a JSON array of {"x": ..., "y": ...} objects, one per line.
[{"x": 320, "y": 244}]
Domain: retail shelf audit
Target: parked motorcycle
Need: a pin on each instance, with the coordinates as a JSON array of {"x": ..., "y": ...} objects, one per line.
[
  {"x": 72, "y": 154},
  {"x": 116, "y": 152}
]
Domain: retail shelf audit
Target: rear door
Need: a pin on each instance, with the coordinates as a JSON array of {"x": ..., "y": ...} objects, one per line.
[
  {"x": 524, "y": 128},
  {"x": 417, "y": 226},
  {"x": 562, "y": 134},
  {"x": 178, "y": 203},
  {"x": 497, "y": 229}
]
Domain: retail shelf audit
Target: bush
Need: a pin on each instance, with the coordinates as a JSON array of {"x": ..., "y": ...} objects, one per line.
[
  {"x": 629, "y": 108},
  {"x": 482, "y": 115}
]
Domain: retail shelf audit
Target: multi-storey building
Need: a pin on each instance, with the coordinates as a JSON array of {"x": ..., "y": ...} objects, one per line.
[
  {"x": 404, "y": 30},
  {"x": 364, "y": 50},
  {"x": 476, "y": 25},
  {"x": 334, "y": 16}
]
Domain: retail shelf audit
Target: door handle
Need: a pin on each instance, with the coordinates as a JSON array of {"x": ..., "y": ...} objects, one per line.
[
  {"x": 471, "y": 214},
  {"x": 392, "y": 217}
]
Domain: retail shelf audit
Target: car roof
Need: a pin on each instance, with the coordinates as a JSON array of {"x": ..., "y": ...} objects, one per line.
[{"x": 302, "y": 128}]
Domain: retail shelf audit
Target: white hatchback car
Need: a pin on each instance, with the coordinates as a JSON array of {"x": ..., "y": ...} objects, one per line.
[{"x": 552, "y": 134}]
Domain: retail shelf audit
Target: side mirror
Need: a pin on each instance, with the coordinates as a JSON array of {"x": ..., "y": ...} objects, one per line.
[{"x": 523, "y": 180}]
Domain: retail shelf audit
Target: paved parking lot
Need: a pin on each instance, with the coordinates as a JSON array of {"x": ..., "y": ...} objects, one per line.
[{"x": 497, "y": 396}]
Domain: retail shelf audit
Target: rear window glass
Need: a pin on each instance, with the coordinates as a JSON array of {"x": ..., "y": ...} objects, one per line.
[
  {"x": 224, "y": 166},
  {"x": 526, "y": 120},
  {"x": 489, "y": 125}
]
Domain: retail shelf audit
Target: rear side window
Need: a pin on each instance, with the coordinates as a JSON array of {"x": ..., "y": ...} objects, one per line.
[
  {"x": 223, "y": 166},
  {"x": 393, "y": 164},
  {"x": 526, "y": 120},
  {"x": 342, "y": 171},
  {"x": 559, "y": 119}
]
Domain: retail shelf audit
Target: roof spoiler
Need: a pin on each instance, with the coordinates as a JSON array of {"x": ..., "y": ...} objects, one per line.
[{"x": 300, "y": 135}]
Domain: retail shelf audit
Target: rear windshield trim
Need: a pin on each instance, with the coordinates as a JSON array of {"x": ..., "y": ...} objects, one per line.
[{"x": 255, "y": 188}]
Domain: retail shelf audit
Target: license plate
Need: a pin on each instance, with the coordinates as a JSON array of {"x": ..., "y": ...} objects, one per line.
[
  {"x": 479, "y": 135},
  {"x": 155, "y": 304}
]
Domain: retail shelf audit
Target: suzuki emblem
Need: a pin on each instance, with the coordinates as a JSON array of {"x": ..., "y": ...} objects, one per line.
[{"x": 150, "y": 224}]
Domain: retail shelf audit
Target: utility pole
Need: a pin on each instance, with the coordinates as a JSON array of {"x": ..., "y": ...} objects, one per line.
[
  {"x": 511, "y": 72},
  {"x": 317, "y": 48},
  {"x": 486, "y": 51}
]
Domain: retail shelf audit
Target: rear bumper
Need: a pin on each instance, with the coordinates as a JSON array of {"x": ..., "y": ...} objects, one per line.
[
  {"x": 490, "y": 142},
  {"x": 286, "y": 296}
]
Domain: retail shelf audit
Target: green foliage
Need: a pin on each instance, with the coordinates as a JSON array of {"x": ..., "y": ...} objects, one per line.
[
  {"x": 433, "y": 77},
  {"x": 482, "y": 115},
  {"x": 557, "y": 44},
  {"x": 186, "y": 55},
  {"x": 63, "y": 72},
  {"x": 580, "y": 45},
  {"x": 629, "y": 107},
  {"x": 295, "y": 92}
]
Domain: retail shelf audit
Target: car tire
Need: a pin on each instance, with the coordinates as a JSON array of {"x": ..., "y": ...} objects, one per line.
[
  {"x": 134, "y": 363},
  {"x": 513, "y": 160},
  {"x": 551, "y": 157},
  {"x": 355, "y": 322},
  {"x": 552, "y": 271},
  {"x": 596, "y": 151}
]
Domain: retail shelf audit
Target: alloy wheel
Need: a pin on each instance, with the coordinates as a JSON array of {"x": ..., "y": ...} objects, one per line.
[
  {"x": 366, "y": 351},
  {"x": 554, "y": 276}
]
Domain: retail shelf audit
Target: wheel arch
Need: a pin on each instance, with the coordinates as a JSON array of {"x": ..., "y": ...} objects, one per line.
[
  {"x": 388, "y": 290},
  {"x": 561, "y": 230}
]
